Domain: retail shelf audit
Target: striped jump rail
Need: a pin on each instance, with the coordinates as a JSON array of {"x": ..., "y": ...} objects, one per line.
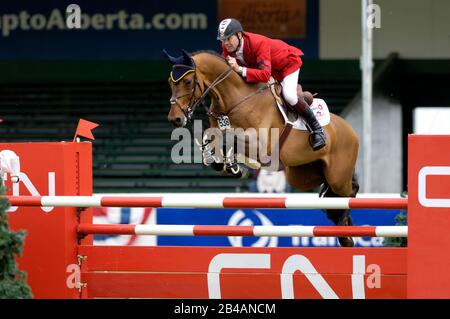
[
  {"x": 277, "y": 231},
  {"x": 209, "y": 201}
]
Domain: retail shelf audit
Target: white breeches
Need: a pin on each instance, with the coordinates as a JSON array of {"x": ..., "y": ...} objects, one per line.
[{"x": 289, "y": 88}]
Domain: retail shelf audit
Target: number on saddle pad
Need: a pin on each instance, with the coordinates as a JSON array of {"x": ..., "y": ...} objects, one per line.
[{"x": 224, "y": 122}]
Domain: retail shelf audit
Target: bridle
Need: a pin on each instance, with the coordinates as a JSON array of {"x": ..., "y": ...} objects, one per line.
[{"x": 193, "y": 103}]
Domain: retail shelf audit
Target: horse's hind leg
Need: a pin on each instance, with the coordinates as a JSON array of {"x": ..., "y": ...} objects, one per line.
[
  {"x": 339, "y": 173},
  {"x": 340, "y": 217}
]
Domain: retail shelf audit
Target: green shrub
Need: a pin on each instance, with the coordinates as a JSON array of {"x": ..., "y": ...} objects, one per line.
[
  {"x": 401, "y": 220},
  {"x": 12, "y": 280}
]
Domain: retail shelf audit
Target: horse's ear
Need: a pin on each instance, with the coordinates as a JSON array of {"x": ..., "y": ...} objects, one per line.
[
  {"x": 187, "y": 58},
  {"x": 170, "y": 58}
]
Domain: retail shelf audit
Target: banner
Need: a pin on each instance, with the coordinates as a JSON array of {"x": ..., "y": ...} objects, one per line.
[
  {"x": 275, "y": 19},
  {"x": 134, "y": 29},
  {"x": 238, "y": 217}
]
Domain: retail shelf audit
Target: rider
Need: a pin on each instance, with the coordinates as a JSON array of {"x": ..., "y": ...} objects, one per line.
[{"x": 256, "y": 58}]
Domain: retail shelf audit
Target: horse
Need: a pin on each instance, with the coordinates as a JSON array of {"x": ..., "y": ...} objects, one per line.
[{"x": 332, "y": 168}]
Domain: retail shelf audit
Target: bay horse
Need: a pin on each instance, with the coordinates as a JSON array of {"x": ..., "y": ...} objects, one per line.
[{"x": 205, "y": 73}]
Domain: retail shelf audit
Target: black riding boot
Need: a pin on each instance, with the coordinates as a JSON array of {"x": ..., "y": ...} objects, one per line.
[{"x": 317, "y": 138}]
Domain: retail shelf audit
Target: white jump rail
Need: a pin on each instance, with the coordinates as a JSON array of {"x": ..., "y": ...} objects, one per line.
[
  {"x": 277, "y": 231},
  {"x": 296, "y": 201}
]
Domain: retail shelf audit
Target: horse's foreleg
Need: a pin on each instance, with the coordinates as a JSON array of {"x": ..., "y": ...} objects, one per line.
[
  {"x": 211, "y": 159},
  {"x": 228, "y": 151},
  {"x": 233, "y": 167},
  {"x": 221, "y": 157},
  {"x": 212, "y": 154}
]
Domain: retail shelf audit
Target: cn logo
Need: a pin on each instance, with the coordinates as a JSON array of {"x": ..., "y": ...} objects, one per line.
[
  {"x": 290, "y": 266},
  {"x": 25, "y": 181},
  {"x": 422, "y": 191}
]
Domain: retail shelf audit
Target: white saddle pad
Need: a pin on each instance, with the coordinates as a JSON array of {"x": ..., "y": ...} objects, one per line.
[{"x": 320, "y": 109}]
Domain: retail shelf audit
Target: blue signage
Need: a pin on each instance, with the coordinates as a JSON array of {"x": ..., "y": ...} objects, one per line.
[
  {"x": 109, "y": 29},
  {"x": 113, "y": 29},
  {"x": 267, "y": 217}
]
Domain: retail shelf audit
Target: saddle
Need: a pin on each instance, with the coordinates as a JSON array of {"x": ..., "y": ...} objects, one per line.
[
  {"x": 290, "y": 116},
  {"x": 276, "y": 92}
]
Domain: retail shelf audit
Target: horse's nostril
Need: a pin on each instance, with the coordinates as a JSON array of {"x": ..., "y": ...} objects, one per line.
[{"x": 178, "y": 120}]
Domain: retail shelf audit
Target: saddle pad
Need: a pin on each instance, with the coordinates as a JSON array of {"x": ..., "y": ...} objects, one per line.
[{"x": 320, "y": 109}]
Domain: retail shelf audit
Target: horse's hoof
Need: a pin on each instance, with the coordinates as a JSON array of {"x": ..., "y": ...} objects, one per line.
[
  {"x": 217, "y": 166},
  {"x": 346, "y": 241}
]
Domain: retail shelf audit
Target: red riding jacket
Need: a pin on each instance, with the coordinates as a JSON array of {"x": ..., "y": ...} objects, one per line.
[{"x": 267, "y": 57}]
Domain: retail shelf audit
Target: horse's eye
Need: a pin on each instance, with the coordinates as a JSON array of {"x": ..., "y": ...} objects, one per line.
[{"x": 188, "y": 82}]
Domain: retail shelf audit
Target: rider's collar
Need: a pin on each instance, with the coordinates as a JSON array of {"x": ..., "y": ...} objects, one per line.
[{"x": 179, "y": 71}]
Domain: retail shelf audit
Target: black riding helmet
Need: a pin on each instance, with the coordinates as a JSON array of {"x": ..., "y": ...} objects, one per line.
[{"x": 227, "y": 28}]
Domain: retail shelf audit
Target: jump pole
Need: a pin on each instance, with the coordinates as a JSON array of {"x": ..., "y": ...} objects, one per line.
[
  {"x": 258, "y": 231},
  {"x": 294, "y": 201}
]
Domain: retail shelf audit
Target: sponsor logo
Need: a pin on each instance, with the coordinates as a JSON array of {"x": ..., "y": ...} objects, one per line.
[
  {"x": 291, "y": 265},
  {"x": 25, "y": 181},
  {"x": 239, "y": 218},
  {"x": 422, "y": 192}
]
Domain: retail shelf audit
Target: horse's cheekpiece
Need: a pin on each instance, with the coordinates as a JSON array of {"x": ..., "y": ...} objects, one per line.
[{"x": 223, "y": 122}]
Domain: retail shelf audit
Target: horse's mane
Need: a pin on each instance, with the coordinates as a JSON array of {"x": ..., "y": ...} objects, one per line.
[
  {"x": 210, "y": 52},
  {"x": 222, "y": 59},
  {"x": 214, "y": 53}
]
